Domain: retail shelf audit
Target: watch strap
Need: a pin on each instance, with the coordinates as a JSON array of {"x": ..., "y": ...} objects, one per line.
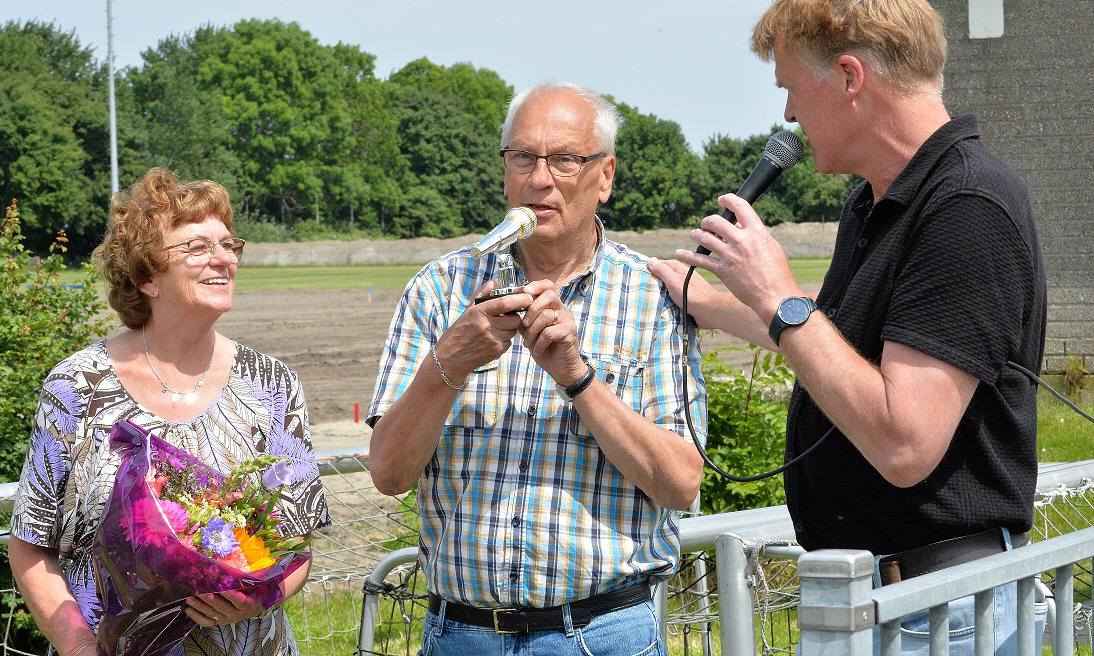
[
  {"x": 775, "y": 330},
  {"x": 571, "y": 391}
]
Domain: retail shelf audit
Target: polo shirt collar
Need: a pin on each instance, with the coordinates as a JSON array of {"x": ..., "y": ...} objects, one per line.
[{"x": 907, "y": 184}]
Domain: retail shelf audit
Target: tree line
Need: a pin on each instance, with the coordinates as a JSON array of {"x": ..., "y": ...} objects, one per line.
[{"x": 310, "y": 143}]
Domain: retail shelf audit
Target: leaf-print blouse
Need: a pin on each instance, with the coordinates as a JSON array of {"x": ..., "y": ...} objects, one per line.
[{"x": 69, "y": 471}]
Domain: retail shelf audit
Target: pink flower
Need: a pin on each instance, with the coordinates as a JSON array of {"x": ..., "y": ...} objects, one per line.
[
  {"x": 176, "y": 515},
  {"x": 143, "y": 527}
]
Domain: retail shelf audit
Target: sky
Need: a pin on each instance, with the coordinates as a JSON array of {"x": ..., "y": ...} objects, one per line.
[{"x": 687, "y": 61}]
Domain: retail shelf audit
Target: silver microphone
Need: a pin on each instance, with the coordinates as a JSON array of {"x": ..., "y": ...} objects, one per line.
[{"x": 518, "y": 223}]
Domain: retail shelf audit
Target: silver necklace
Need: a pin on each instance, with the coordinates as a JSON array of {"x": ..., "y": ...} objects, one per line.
[{"x": 190, "y": 396}]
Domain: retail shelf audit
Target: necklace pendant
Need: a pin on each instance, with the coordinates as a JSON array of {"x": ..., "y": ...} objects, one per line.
[
  {"x": 175, "y": 396},
  {"x": 191, "y": 397}
]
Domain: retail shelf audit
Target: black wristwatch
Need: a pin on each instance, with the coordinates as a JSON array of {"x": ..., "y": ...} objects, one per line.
[
  {"x": 570, "y": 392},
  {"x": 792, "y": 311}
]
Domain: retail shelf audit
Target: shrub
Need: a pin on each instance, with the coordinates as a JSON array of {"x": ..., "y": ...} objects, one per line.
[
  {"x": 259, "y": 230},
  {"x": 746, "y": 430},
  {"x": 42, "y": 321}
]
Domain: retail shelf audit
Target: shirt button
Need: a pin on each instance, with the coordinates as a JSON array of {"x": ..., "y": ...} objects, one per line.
[
  {"x": 524, "y": 466},
  {"x": 831, "y": 313},
  {"x": 862, "y": 243},
  {"x": 531, "y": 411},
  {"x": 515, "y": 522},
  {"x": 514, "y": 576},
  {"x": 609, "y": 378}
]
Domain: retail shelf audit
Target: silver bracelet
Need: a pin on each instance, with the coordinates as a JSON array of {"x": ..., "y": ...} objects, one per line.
[
  {"x": 444, "y": 377},
  {"x": 84, "y": 647}
]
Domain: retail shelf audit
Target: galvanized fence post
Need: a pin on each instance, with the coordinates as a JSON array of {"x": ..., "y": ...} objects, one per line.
[
  {"x": 836, "y": 614},
  {"x": 738, "y": 627}
]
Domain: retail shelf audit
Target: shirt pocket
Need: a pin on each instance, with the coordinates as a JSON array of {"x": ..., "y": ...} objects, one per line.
[
  {"x": 623, "y": 376},
  {"x": 477, "y": 406}
]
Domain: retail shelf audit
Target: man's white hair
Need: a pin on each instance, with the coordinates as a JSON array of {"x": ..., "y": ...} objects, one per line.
[{"x": 606, "y": 124}]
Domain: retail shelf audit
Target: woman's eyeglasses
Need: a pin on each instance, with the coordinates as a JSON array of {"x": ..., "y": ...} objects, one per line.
[{"x": 200, "y": 246}]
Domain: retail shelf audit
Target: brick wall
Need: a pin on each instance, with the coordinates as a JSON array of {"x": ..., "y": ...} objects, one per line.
[{"x": 1033, "y": 91}]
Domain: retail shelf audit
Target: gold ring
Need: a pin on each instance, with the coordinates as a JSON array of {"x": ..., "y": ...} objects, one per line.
[{"x": 556, "y": 318}]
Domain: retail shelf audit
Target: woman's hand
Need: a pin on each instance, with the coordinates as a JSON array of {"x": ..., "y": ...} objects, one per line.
[{"x": 226, "y": 607}]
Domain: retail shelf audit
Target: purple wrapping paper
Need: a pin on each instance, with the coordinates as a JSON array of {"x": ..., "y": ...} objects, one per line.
[{"x": 143, "y": 572}]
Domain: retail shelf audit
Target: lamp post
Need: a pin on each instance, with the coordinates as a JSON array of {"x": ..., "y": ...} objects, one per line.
[{"x": 110, "y": 91}]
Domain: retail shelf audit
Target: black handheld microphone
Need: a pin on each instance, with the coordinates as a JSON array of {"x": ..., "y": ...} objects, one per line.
[{"x": 783, "y": 150}]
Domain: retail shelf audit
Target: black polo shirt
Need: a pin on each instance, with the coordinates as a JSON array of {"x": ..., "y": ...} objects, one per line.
[{"x": 947, "y": 262}]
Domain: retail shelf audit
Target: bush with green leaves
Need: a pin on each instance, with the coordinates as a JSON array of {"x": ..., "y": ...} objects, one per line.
[
  {"x": 42, "y": 321},
  {"x": 746, "y": 430}
]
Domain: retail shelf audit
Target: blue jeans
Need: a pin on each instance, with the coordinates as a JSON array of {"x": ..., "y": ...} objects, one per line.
[
  {"x": 915, "y": 628},
  {"x": 632, "y": 631}
]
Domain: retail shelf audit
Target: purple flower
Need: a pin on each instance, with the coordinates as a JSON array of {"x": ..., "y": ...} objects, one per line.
[
  {"x": 218, "y": 537},
  {"x": 277, "y": 474}
]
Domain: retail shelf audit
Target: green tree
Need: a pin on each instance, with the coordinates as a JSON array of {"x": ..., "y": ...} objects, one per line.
[
  {"x": 483, "y": 93},
  {"x": 180, "y": 126},
  {"x": 368, "y": 178},
  {"x": 454, "y": 170},
  {"x": 54, "y": 136},
  {"x": 730, "y": 161},
  {"x": 659, "y": 181}
]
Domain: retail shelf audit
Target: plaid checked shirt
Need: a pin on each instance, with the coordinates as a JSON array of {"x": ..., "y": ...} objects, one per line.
[{"x": 519, "y": 506}]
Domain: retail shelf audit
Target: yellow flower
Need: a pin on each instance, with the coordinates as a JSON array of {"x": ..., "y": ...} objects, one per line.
[{"x": 252, "y": 546}]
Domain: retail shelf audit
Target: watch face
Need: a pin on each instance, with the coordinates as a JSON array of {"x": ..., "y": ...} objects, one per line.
[{"x": 794, "y": 311}]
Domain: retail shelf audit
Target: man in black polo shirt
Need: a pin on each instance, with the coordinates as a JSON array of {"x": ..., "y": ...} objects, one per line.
[{"x": 936, "y": 283}]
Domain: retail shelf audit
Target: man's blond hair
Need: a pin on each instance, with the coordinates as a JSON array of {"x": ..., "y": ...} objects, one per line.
[{"x": 902, "y": 40}]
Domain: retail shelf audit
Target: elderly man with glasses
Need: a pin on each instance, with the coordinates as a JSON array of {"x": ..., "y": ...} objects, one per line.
[{"x": 546, "y": 428}]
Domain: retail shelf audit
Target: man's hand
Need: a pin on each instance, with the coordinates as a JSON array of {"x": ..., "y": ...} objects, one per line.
[
  {"x": 482, "y": 333},
  {"x": 550, "y": 334},
  {"x": 706, "y": 304},
  {"x": 745, "y": 257}
]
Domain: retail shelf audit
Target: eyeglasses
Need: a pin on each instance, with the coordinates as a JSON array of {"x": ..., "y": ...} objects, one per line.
[
  {"x": 200, "y": 246},
  {"x": 562, "y": 165}
]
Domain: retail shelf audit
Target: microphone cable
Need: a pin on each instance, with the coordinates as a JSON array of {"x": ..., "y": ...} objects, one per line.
[
  {"x": 1067, "y": 401},
  {"x": 687, "y": 410}
]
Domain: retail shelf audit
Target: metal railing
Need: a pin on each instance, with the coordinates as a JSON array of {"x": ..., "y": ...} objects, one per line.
[
  {"x": 747, "y": 551},
  {"x": 840, "y": 606}
]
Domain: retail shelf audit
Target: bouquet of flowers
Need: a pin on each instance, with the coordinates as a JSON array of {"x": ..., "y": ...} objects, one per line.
[{"x": 174, "y": 528}]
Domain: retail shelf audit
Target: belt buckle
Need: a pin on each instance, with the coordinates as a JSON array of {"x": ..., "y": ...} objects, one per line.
[{"x": 498, "y": 629}]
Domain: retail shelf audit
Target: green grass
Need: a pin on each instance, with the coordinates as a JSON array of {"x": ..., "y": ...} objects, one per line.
[
  {"x": 394, "y": 276},
  {"x": 805, "y": 269},
  {"x": 377, "y": 277},
  {"x": 1062, "y": 434}
]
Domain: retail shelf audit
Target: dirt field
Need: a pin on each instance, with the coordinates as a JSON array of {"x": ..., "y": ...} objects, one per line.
[{"x": 333, "y": 338}]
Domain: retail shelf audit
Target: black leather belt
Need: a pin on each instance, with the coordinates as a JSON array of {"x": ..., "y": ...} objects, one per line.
[
  {"x": 527, "y": 620},
  {"x": 947, "y": 553}
]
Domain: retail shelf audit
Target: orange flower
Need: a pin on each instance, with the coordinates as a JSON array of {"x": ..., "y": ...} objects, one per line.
[
  {"x": 235, "y": 559},
  {"x": 252, "y": 546}
]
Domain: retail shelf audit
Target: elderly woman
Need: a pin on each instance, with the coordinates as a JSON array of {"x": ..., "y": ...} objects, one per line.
[{"x": 170, "y": 260}]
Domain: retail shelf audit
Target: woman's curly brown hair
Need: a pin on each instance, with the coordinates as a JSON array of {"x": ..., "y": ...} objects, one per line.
[{"x": 133, "y": 250}]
